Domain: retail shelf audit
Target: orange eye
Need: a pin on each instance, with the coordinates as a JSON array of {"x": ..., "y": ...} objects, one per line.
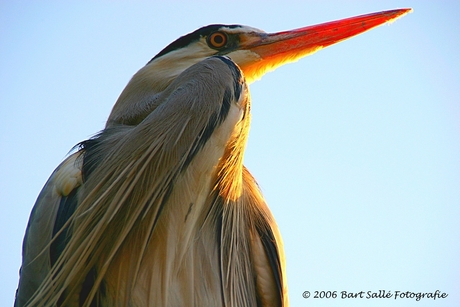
[{"x": 217, "y": 40}]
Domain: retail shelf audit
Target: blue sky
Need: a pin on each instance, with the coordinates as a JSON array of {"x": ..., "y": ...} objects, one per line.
[{"x": 356, "y": 148}]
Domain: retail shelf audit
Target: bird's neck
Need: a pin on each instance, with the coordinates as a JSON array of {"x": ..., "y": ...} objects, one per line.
[
  {"x": 139, "y": 97},
  {"x": 229, "y": 177}
]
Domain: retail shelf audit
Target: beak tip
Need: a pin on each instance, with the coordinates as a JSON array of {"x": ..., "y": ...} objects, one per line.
[
  {"x": 393, "y": 15},
  {"x": 402, "y": 12}
]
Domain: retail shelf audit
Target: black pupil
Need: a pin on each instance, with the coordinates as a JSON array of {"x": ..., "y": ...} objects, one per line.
[{"x": 218, "y": 39}]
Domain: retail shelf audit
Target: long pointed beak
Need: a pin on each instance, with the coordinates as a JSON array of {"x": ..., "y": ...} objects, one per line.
[{"x": 272, "y": 50}]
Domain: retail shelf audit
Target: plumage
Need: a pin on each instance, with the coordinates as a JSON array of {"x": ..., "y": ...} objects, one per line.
[{"x": 158, "y": 209}]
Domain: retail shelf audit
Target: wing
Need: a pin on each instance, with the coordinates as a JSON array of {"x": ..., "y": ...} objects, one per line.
[
  {"x": 54, "y": 205},
  {"x": 252, "y": 255},
  {"x": 266, "y": 248}
]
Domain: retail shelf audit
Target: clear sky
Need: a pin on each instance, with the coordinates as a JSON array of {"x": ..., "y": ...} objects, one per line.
[{"x": 356, "y": 148}]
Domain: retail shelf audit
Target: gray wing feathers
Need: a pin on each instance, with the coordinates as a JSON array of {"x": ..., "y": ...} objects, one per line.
[
  {"x": 36, "y": 257},
  {"x": 266, "y": 247}
]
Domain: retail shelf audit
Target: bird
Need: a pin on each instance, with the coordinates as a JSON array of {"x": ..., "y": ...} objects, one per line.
[{"x": 157, "y": 209}]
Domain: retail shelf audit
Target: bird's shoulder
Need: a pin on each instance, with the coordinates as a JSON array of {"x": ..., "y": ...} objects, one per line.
[{"x": 63, "y": 182}]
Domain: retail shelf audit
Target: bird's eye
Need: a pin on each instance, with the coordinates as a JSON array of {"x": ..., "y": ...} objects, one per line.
[{"x": 217, "y": 40}]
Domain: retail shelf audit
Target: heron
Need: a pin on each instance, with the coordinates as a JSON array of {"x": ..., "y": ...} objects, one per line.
[{"x": 158, "y": 209}]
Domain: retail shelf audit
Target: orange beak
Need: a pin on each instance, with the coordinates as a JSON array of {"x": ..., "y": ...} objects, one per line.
[{"x": 269, "y": 51}]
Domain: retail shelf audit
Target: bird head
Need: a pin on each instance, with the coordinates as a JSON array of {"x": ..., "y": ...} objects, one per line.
[
  {"x": 258, "y": 52},
  {"x": 254, "y": 51}
]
